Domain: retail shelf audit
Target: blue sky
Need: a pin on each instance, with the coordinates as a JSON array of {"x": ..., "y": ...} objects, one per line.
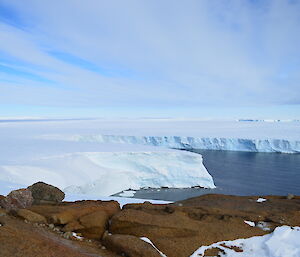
[{"x": 210, "y": 58}]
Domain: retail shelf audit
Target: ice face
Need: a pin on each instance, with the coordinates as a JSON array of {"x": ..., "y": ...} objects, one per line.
[{"x": 181, "y": 142}]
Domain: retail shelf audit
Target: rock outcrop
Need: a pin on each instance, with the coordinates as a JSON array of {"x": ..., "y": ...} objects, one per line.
[
  {"x": 90, "y": 218},
  {"x": 45, "y": 193},
  {"x": 20, "y": 239},
  {"x": 179, "y": 229},
  {"x": 176, "y": 230}
]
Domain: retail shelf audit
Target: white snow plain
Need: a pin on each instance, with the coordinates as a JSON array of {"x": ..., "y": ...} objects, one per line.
[
  {"x": 282, "y": 242},
  {"x": 283, "y": 137}
]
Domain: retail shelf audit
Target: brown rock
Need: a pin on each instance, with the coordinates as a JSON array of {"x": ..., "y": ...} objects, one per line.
[
  {"x": 45, "y": 193},
  {"x": 72, "y": 226},
  {"x": 72, "y": 214},
  {"x": 94, "y": 224},
  {"x": 130, "y": 246},
  {"x": 212, "y": 252},
  {"x": 31, "y": 216},
  {"x": 91, "y": 233},
  {"x": 3, "y": 212},
  {"x": 94, "y": 219},
  {"x": 16, "y": 199},
  {"x": 67, "y": 212},
  {"x": 87, "y": 217},
  {"x": 179, "y": 231}
]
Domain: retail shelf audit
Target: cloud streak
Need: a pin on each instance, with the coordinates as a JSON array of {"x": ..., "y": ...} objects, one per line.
[{"x": 149, "y": 54}]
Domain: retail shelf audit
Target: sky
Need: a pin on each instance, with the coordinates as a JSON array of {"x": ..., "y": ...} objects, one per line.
[{"x": 139, "y": 58}]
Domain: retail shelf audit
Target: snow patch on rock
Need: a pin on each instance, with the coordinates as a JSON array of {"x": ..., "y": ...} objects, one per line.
[{"x": 283, "y": 242}]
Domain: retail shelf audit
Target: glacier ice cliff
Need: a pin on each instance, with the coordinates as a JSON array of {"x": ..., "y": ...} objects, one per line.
[
  {"x": 189, "y": 143},
  {"x": 107, "y": 173}
]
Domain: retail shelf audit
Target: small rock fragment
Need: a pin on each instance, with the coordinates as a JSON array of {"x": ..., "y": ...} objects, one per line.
[
  {"x": 67, "y": 235},
  {"x": 51, "y": 226}
]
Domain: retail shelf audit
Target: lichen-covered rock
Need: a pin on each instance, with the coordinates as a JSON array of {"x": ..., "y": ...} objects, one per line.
[
  {"x": 31, "y": 216},
  {"x": 45, "y": 193},
  {"x": 130, "y": 246},
  {"x": 17, "y": 199}
]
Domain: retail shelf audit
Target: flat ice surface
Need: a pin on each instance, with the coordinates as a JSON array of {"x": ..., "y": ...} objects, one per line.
[
  {"x": 158, "y": 127},
  {"x": 283, "y": 242},
  {"x": 196, "y": 134}
]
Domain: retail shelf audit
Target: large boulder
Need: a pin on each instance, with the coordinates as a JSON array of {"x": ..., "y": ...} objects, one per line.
[
  {"x": 21, "y": 198},
  {"x": 45, "y": 193},
  {"x": 130, "y": 246}
]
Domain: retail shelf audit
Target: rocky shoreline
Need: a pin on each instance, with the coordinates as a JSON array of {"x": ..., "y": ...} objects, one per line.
[{"x": 37, "y": 222}]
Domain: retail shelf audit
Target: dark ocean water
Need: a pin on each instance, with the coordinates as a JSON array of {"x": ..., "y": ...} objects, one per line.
[{"x": 241, "y": 173}]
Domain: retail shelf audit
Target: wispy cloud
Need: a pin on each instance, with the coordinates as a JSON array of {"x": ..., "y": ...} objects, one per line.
[{"x": 150, "y": 54}]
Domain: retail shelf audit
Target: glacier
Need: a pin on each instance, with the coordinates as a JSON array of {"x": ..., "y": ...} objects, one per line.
[
  {"x": 108, "y": 173},
  {"x": 190, "y": 143}
]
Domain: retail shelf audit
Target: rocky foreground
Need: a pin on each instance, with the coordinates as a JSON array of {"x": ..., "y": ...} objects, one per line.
[{"x": 36, "y": 222}]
